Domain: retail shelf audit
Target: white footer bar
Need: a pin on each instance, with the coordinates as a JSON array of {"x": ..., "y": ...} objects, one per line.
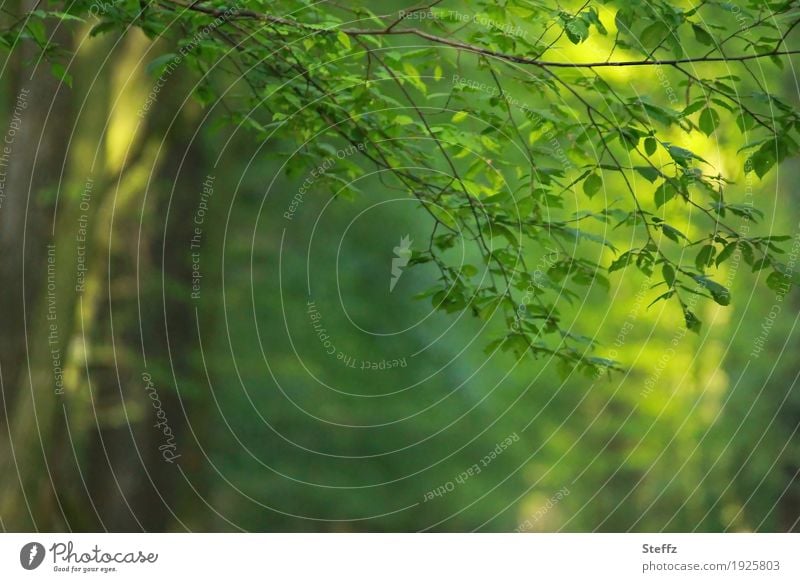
[{"x": 401, "y": 557}]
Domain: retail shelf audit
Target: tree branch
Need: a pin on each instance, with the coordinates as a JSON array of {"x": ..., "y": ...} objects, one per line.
[{"x": 355, "y": 32}]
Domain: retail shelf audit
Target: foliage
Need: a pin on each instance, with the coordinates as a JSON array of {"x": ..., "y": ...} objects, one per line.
[{"x": 530, "y": 146}]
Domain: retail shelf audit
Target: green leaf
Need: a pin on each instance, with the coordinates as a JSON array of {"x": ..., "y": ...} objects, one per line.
[
  {"x": 653, "y": 35},
  {"x": 623, "y": 20},
  {"x": 594, "y": 17},
  {"x": 719, "y": 293},
  {"x": 650, "y": 146},
  {"x": 649, "y": 173},
  {"x": 669, "y": 274},
  {"x": 705, "y": 257},
  {"x": 592, "y": 184},
  {"x": 747, "y": 252},
  {"x": 692, "y": 323},
  {"x": 621, "y": 262},
  {"x": 694, "y": 107},
  {"x": 37, "y": 30},
  {"x": 64, "y": 16},
  {"x": 60, "y": 73},
  {"x": 762, "y": 161},
  {"x": 577, "y": 234},
  {"x": 469, "y": 270},
  {"x": 664, "y": 193},
  {"x": 155, "y": 66},
  {"x": 103, "y": 27},
  {"x": 745, "y": 122},
  {"x": 761, "y": 263},
  {"x": 645, "y": 262},
  {"x": 702, "y": 35},
  {"x": 459, "y": 117},
  {"x": 709, "y": 120},
  {"x": 778, "y": 282},
  {"x": 672, "y": 233},
  {"x": 577, "y": 30},
  {"x": 629, "y": 137},
  {"x": 682, "y": 156},
  {"x": 414, "y": 77},
  {"x": 343, "y": 39},
  {"x": 662, "y": 297}
]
